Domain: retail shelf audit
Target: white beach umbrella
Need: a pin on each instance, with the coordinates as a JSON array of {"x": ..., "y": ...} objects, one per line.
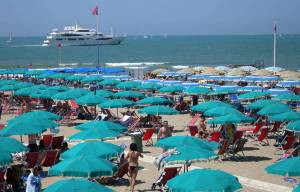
[
  {"x": 222, "y": 68},
  {"x": 274, "y": 69},
  {"x": 248, "y": 68}
]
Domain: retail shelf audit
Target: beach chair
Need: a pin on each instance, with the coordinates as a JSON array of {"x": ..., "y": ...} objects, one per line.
[
  {"x": 167, "y": 174},
  {"x": 123, "y": 170},
  {"x": 215, "y": 136},
  {"x": 238, "y": 148},
  {"x": 73, "y": 104},
  {"x": 286, "y": 144},
  {"x": 275, "y": 127},
  {"x": 57, "y": 142},
  {"x": 223, "y": 150},
  {"x": 50, "y": 158},
  {"x": 31, "y": 159},
  {"x": 47, "y": 140},
  {"x": 253, "y": 132},
  {"x": 134, "y": 125},
  {"x": 193, "y": 129},
  {"x": 237, "y": 136},
  {"x": 148, "y": 136},
  {"x": 263, "y": 136}
]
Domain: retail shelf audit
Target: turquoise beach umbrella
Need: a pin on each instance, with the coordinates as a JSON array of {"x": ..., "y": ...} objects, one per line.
[
  {"x": 101, "y": 125},
  {"x": 76, "y": 185},
  {"x": 209, "y": 105},
  {"x": 109, "y": 82},
  {"x": 8, "y": 82},
  {"x": 253, "y": 95},
  {"x": 293, "y": 126},
  {"x": 44, "y": 76},
  {"x": 204, "y": 180},
  {"x": 179, "y": 141},
  {"x": 15, "y": 86},
  {"x": 59, "y": 88},
  {"x": 158, "y": 110},
  {"x": 220, "y": 111},
  {"x": 232, "y": 118},
  {"x": 116, "y": 103},
  {"x": 26, "y": 91},
  {"x": 128, "y": 85},
  {"x": 34, "y": 72},
  {"x": 103, "y": 93},
  {"x": 259, "y": 104},
  {"x": 287, "y": 116},
  {"x": 5, "y": 158},
  {"x": 35, "y": 115},
  {"x": 274, "y": 109},
  {"x": 297, "y": 189},
  {"x": 83, "y": 166},
  {"x": 93, "y": 78},
  {"x": 197, "y": 91},
  {"x": 153, "y": 101},
  {"x": 150, "y": 86},
  {"x": 40, "y": 87},
  {"x": 59, "y": 75},
  {"x": 70, "y": 94},
  {"x": 11, "y": 145},
  {"x": 43, "y": 94},
  {"x": 289, "y": 166},
  {"x": 223, "y": 92},
  {"x": 90, "y": 100},
  {"x": 189, "y": 154},
  {"x": 75, "y": 77},
  {"x": 128, "y": 94},
  {"x": 94, "y": 133},
  {"x": 171, "y": 89},
  {"x": 287, "y": 97},
  {"x": 93, "y": 148}
]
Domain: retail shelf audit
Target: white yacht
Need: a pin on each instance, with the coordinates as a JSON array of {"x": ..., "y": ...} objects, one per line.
[{"x": 79, "y": 36}]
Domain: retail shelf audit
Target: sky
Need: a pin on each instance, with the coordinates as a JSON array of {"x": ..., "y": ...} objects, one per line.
[{"x": 152, "y": 17}]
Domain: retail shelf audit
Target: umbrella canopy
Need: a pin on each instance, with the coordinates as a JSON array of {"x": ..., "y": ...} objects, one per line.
[
  {"x": 8, "y": 82},
  {"x": 102, "y": 93},
  {"x": 93, "y": 148},
  {"x": 287, "y": 97},
  {"x": 269, "y": 110},
  {"x": 128, "y": 85},
  {"x": 222, "y": 68},
  {"x": 190, "y": 154},
  {"x": 259, "y": 104},
  {"x": 223, "y": 92},
  {"x": 94, "y": 133},
  {"x": 11, "y": 145},
  {"x": 262, "y": 72},
  {"x": 204, "y": 180},
  {"x": 150, "y": 86},
  {"x": 293, "y": 126},
  {"x": 5, "y": 158},
  {"x": 197, "y": 91},
  {"x": 90, "y": 100},
  {"x": 90, "y": 79},
  {"x": 236, "y": 72},
  {"x": 70, "y": 94},
  {"x": 44, "y": 76},
  {"x": 75, "y": 77},
  {"x": 59, "y": 75},
  {"x": 40, "y": 87},
  {"x": 83, "y": 167},
  {"x": 248, "y": 68},
  {"x": 289, "y": 166},
  {"x": 109, "y": 82},
  {"x": 26, "y": 91},
  {"x": 179, "y": 141},
  {"x": 76, "y": 185},
  {"x": 43, "y": 94},
  {"x": 101, "y": 125},
  {"x": 253, "y": 95},
  {"x": 287, "y": 116},
  {"x": 153, "y": 101},
  {"x": 116, "y": 103},
  {"x": 220, "y": 111},
  {"x": 128, "y": 94},
  {"x": 59, "y": 88},
  {"x": 209, "y": 105},
  {"x": 158, "y": 71},
  {"x": 297, "y": 189},
  {"x": 158, "y": 110},
  {"x": 39, "y": 114},
  {"x": 274, "y": 69},
  {"x": 15, "y": 86},
  {"x": 232, "y": 118},
  {"x": 171, "y": 89}
]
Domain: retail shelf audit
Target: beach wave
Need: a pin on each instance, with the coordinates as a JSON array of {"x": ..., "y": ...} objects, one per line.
[{"x": 126, "y": 64}]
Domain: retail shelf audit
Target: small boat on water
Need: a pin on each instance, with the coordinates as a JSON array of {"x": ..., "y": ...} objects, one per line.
[{"x": 9, "y": 39}]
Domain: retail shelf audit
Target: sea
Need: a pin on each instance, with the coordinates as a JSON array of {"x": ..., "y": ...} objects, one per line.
[{"x": 155, "y": 52}]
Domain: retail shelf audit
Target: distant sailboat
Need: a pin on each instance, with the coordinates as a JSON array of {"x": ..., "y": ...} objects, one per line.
[
  {"x": 9, "y": 39},
  {"x": 146, "y": 36}
]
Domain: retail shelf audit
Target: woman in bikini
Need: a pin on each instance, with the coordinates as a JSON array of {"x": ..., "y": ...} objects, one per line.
[{"x": 133, "y": 158}]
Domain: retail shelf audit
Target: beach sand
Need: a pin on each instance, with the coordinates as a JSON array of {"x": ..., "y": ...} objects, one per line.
[{"x": 251, "y": 167}]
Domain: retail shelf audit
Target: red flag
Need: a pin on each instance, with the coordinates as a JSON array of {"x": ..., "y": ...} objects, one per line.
[
  {"x": 95, "y": 11},
  {"x": 58, "y": 45}
]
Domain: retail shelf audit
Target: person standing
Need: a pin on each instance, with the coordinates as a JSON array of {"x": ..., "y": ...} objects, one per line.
[
  {"x": 34, "y": 183},
  {"x": 133, "y": 158}
]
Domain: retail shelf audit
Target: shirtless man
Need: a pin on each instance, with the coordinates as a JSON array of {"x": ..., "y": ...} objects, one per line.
[
  {"x": 133, "y": 158},
  {"x": 164, "y": 131}
]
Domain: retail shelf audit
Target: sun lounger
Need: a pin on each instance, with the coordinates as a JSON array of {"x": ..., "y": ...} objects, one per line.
[
  {"x": 50, "y": 158},
  {"x": 47, "y": 140},
  {"x": 263, "y": 136},
  {"x": 147, "y": 138},
  {"x": 165, "y": 176},
  {"x": 31, "y": 159},
  {"x": 123, "y": 170},
  {"x": 223, "y": 150},
  {"x": 286, "y": 144},
  {"x": 134, "y": 125},
  {"x": 238, "y": 148},
  {"x": 237, "y": 136},
  {"x": 215, "y": 136},
  {"x": 57, "y": 142},
  {"x": 192, "y": 127}
]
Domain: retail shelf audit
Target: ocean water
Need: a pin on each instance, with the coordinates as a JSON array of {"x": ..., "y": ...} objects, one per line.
[{"x": 157, "y": 50}]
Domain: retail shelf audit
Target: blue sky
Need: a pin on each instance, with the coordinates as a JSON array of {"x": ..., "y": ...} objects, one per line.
[{"x": 178, "y": 17}]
